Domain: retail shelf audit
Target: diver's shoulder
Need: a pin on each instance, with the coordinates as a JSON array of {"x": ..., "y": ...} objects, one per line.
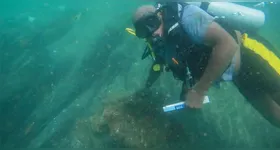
[
  {"x": 190, "y": 10},
  {"x": 192, "y": 7}
]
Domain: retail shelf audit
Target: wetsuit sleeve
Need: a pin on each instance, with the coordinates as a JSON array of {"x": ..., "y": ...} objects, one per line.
[{"x": 195, "y": 22}]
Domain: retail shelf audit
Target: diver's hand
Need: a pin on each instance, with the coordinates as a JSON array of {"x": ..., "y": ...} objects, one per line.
[{"x": 193, "y": 99}]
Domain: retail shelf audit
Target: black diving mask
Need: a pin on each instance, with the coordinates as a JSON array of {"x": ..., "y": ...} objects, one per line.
[{"x": 147, "y": 25}]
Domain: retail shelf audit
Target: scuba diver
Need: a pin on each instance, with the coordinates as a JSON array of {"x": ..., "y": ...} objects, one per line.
[{"x": 201, "y": 49}]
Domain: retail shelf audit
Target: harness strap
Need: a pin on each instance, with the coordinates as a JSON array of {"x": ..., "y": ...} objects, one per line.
[
  {"x": 173, "y": 27},
  {"x": 181, "y": 10}
]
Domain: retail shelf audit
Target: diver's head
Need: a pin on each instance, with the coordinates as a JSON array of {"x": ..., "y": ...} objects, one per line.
[{"x": 147, "y": 22}]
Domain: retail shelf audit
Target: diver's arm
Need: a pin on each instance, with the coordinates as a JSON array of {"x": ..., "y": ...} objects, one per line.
[{"x": 224, "y": 48}]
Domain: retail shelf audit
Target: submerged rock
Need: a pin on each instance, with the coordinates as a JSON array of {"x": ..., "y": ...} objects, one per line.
[{"x": 135, "y": 121}]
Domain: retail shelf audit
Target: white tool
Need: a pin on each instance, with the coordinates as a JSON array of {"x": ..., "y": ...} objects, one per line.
[{"x": 181, "y": 105}]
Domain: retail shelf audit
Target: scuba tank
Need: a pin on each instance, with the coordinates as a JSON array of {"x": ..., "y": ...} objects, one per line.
[{"x": 238, "y": 17}]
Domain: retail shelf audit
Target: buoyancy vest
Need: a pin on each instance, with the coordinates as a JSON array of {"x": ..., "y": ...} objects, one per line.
[{"x": 180, "y": 52}]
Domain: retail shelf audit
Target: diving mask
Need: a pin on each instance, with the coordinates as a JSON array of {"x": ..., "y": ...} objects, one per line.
[{"x": 147, "y": 25}]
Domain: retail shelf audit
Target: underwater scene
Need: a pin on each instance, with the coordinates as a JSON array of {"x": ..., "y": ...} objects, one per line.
[{"x": 128, "y": 74}]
